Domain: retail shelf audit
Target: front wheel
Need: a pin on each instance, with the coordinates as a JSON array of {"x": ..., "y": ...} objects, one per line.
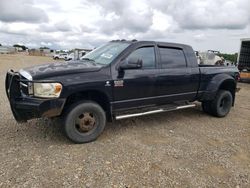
[{"x": 84, "y": 122}]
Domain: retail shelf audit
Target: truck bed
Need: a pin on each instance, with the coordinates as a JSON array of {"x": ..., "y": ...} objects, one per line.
[{"x": 209, "y": 72}]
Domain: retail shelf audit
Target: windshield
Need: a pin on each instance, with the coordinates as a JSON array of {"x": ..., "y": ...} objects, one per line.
[{"x": 105, "y": 54}]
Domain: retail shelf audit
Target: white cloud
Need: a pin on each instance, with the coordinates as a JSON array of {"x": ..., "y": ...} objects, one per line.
[
  {"x": 21, "y": 11},
  {"x": 205, "y": 24},
  {"x": 200, "y": 37},
  {"x": 163, "y": 22}
]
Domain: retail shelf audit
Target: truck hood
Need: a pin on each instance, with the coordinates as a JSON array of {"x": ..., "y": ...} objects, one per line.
[{"x": 58, "y": 68}]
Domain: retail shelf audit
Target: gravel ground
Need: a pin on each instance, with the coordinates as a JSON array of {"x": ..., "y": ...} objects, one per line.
[{"x": 184, "y": 148}]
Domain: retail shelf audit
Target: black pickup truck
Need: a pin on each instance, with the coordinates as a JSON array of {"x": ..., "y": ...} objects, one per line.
[{"x": 119, "y": 80}]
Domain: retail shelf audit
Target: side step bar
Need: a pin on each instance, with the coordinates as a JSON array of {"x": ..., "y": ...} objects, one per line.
[{"x": 153, "y": 112}]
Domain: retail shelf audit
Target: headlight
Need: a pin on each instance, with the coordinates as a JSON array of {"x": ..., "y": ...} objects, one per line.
[{"x": 47, "y": 90}]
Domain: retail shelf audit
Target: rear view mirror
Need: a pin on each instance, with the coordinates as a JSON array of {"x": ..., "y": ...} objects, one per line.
[{"x": 131, "y": 63}]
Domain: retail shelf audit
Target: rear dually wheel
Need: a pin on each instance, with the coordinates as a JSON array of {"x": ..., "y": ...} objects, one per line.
[{"x": 220, "y": 106}]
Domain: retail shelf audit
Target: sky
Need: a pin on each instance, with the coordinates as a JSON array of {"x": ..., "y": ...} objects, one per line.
[{"x": 63, "y": 24}]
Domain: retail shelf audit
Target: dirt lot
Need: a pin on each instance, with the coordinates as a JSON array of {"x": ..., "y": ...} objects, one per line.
[{"x": 184, "y": 148}]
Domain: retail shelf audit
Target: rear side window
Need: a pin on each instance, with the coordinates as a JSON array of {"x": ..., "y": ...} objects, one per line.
[
  {"x": 172, "y": 58},
  {"x": 146, "y": 54}
]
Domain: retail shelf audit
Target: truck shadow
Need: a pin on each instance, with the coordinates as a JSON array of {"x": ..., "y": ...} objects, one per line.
[
  {"x": 50, "y": 130},
  {"x": 167, "y": 119}
]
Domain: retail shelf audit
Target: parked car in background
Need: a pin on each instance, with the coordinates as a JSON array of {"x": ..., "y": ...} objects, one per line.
[
  {"x": 60, "y": 56},
  {"x": 75, "y": 55},
  {"x": 69, "y": 57}
]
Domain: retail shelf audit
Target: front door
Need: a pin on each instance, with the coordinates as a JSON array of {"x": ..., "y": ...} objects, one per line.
[{"x": 135, "y": 88}]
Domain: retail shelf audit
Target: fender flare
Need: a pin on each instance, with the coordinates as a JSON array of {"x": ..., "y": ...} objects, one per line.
[
  {"x": 86, "y": 94},
  {"x": 215, "y": 84}
]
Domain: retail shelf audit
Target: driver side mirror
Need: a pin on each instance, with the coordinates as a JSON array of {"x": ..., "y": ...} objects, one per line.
[{"x": 131, "y": 63}]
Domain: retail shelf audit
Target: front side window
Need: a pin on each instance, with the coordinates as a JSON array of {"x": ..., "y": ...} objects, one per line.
[
  {"x": 172, "y": 58},
  {"x": 105, "y": 54},
  {"x": 146, "y": 54}
]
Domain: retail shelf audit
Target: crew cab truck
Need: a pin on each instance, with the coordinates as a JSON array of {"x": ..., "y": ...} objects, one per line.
[{"x": 118, "y": 80}]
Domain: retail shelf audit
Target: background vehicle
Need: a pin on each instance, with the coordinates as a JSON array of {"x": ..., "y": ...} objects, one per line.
[
  {"x": 79, "y": 54},
  {"x": 60, "y": 56},
  {"x": 244, "y": 60},
  {"x": 119, "y": 80},
  {"x": 69, "y": 57},
  {"x": 76, "y": 55},
  {"x": 210, "y": 57}
]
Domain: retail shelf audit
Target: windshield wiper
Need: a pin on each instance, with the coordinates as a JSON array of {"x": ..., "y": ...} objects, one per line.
[
  {"x": 90, "y": 60},
  {"x": 85, "y": 58}
]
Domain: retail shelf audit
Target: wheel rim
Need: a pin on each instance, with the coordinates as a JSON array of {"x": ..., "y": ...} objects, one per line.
[{"x": 85, "y": 122}]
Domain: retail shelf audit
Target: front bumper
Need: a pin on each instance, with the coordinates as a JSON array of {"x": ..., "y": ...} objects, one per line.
[{"x": 25, "y": 107}]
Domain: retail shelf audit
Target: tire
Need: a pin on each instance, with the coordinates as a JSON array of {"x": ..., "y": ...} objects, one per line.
[
  {"x": 206, "y": 107},
  {"x": 81, "y": 117},
  {"x": 222, "y": 103}
]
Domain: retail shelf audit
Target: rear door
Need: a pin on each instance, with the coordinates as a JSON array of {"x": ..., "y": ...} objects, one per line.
[
  {"x": 176, "y": 80},
  {"x": 135, "y": 87}
]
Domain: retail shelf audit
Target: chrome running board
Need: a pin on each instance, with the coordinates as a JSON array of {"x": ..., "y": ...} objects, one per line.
[{"x": 153, "y": 112}]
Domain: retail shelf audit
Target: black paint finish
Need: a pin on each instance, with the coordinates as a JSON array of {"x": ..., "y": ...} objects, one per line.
[{"x": 123, "y": 89}]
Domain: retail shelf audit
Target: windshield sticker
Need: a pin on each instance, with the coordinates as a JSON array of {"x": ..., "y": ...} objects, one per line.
[{"x": 108, "y": 56}]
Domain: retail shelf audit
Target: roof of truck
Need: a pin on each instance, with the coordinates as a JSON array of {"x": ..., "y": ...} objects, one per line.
[{"x": 177, "y": 45}]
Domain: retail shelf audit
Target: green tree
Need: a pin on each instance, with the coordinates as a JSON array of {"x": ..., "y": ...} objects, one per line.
[
  {"x": 230, "y": 57},
  {"x": 20, "y": 46},
  {"x": 44, "y": 47}
]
